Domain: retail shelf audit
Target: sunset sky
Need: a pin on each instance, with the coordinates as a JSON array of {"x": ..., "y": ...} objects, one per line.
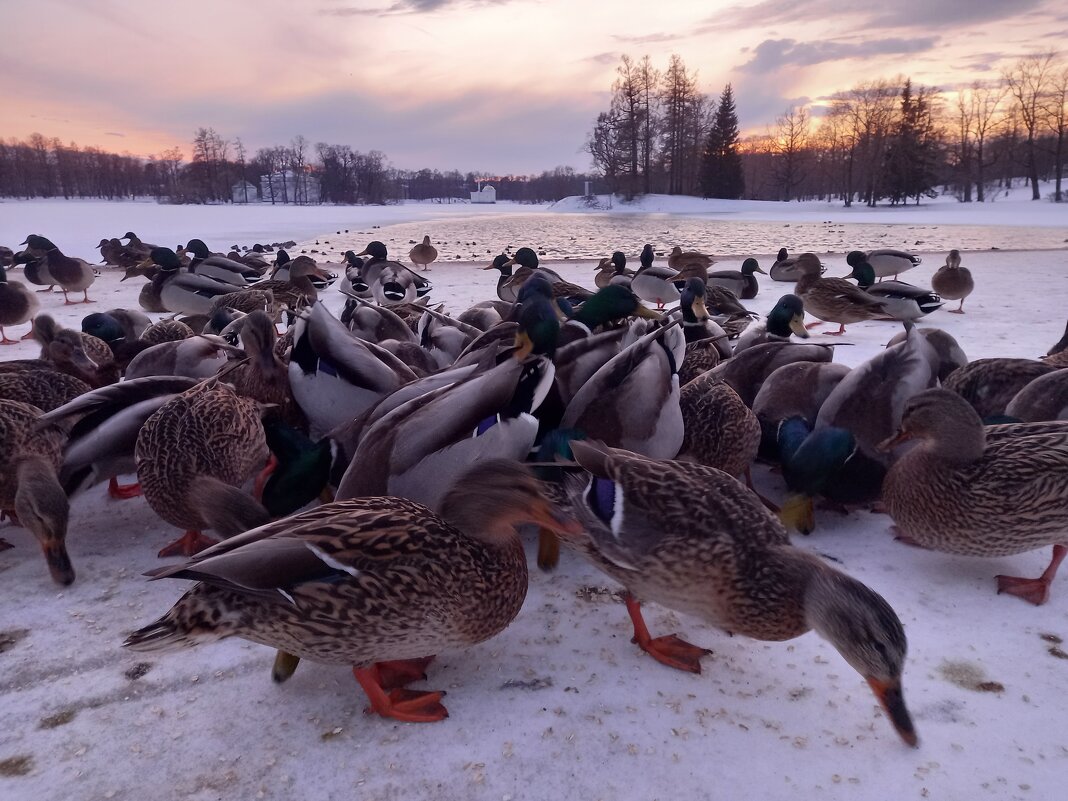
[{"x": 491, "y": 85}]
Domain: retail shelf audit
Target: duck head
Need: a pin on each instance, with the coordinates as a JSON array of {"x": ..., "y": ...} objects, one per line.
[
  {"x": 42, "y": 507},
  {"x": 376, "y": 250},
  {"x": 502, "y": 262},
  {"x": 787, "y": 317},
  {"x": 750, "y": 266},
  {"x": 198, "y": 248},
  {"x": 692, "y": 301}
]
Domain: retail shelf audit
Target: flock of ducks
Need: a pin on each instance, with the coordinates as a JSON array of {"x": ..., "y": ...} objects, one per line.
[{"x": 395, "y": 450}]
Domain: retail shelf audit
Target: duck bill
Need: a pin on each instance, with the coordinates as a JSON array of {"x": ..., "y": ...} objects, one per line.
[
  {"x": 363, "y": 252},
  {"x": 550, "y": 518},
  {"x": 524, "y": 345},
  {"x": 797, "y": 325},
  {"x": 645, "y": 313},
  {"x": 893, "y": 702},
  {"x": 548, "y": 550},
  {"x": 759, "y": 269},
  {"x": 59, "y": 566},
  {"x": 700, "y": 311},
  {"x": 489, "y": 267},
  {"x": 890, "y": 443}
]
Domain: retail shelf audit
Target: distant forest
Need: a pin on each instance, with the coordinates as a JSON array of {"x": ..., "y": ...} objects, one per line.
[{"x": 888, "y": 140}]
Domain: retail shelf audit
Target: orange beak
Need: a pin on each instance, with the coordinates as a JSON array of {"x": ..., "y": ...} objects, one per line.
[
  {"x": 890, "y": 443},
  {"x": 893, "y": 703}
]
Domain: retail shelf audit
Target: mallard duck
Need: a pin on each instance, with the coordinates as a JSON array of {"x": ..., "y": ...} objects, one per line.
[
  {"x": 335, "y": 377},
  {"x": 485, "y": 314},
  {"x": 745, "y": 372},
  {"x": 613, "y": 271},
  {"x": 382, "y": 584},
  {"x": 179, "y": 291},
  {"x": 262, "y": 375},
  {"x": 980, "y": 491},
  {"x": 697, "y": 324},
  {"x": 721, "y": 431},
  {"x": 728, "y": 561},
  {"x": 34, "y": 270},
  {"x": 840, "y": 457},
  {"x": 196, "y": 357},
  {"x": 784, "y": 268},
  {"x": 953, "y": 282},
  {"x": 379, "y": 258},
  {"x": 30, "y": 455},
  {"x": 1045, "y": 398},
  {"x": 886, "y": 261},
  {"x": 104, "y": 424},
  {"x": 901, "y": 301},
  {"x": 7, "y": 256},
  {"x": 505, "y": 290},
  {"x": 787, "y": 317},
  {"x": 833, "y": 300},
  {"x": 950, "y": 354},
  {"x": 1058, "y": 350},
  {"x": 795, "y": 390},
  {"x": 375, "y": 323},
  {"x": 990, "y": 384},
  {"x": 418, "y": 449},
  {"x": 299, "y": 290},
  {"x": 72, "y": 274},
  {"x": 191, "y": 456},
  {"x": 18, "y": 305},
  {"x": 45, "y": 389},
  {"x": 741, "y": 282},
  {"x": 75, "y": 353},
  {"x": 678, "y": 259},
  {"x": 395, "y": 284},
  {"x": 530, "y": 267},
  {"x": 633, "y": 400},
  {"x": 701, "y": 356},
  {"x": 219, "y": 267},
  {"x": 246, "y": 301},
  {"x": 136, "y": 246},
  {"x": 166, "y": 331},
  {"x": 652, "y": 283},
  {"x": 424, "y": 253}
]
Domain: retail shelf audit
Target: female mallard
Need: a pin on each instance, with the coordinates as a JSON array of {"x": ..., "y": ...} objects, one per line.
[
  {"x": 833, "y": 300},
  {"x": 721, "y": 431},
  {"x": 72, "y": 274},
  {"x": 423, "y": 253},
  {"x": 901, "y": 301},
  {"x": 990, "y": 384},
  {"x": 18, "y": 305},
  {"x": 975, "y": 491},
  {"x": 193, "y": 454},
  {"x": 953, "y": 282},
  {"x": 885, "y": 261},
  {"x": 80, "y": 355},
  {"x": 678, "y": 259},
  {"x": 741, "y": 282},
  {"x": 727, "y": 560},
  {"x": 382, "y": 584},
  {"x": 45, "y": 389},
  {"x": 633, "y": 400},
  {"x": 30, "y": 455}
]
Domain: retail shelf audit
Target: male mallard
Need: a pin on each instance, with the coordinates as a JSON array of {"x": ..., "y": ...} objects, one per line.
[
  {"x": 654, "y": 284},
  {"x": 834, "y": 300},
  {"x": 613, "y": 271},
  {"x": 885, "y": 261},
  {"x": 745, "y": 372},
  {"x": 379, "y": 258},
  {"x": 196, "y": 357},
  {"x": 633, "y": 400},
  {"x": 953, "y": 282},
  {"x": 192, "y": 454},
  {"x": 795, "y": 390},
  {"x": 741, "y": 282},
  {"x": 176, "y": 290},
  {"x": 981, "y": 491},
  {"x": 786, "y": 317},
  {"x": 949, "y": 352},
  {"x": 901, "y": 301},
  {"x": 423, "y": 253},
  {"x": 697, "y": 324},
  {"x": 219, "y": 267},
  {"x": 30, "y": 455},
  {"x": 72, "y": 274},
  {"x": 785, "y": 268},
  {"x": 382, "y": 584},
  {"x": 34, "y": 270},
  {"x": 18, "y": 305},
  {"x": 725, "y": 559}
]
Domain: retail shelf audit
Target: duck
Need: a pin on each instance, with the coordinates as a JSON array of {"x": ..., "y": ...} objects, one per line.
[
  {"x": 378, "y": 258},
  {"x": 989, "y": 385},
  {"x": 613, "y": 271},
  {"x": 721, "y": 431},
  {"x": 742, "y": 282},
  {"x": 886, "y": 261},
  {"x": 262, "y": 375},
  {"x": 786, "y": 318},
  {"x": 529, "y": 266},
  {"x": 833, "y": 299},
  {"x": 72, "y": 274},
  {"x": 1045, "y": 398},
  {"x": 901, "y": 301},
  {"x": 336, "y": 377},
  {"x": 784, "y": 268},
  {"x": 34, "y": 270},
  {"x": 632, "y": 401},
  {"x": 678, "y": 259},
  {"x": 795, "y": 390},
  {"x": 953, "y": 282},
  {"x": 192, "y": 455},
  {"x": 654, "y": 284},
  {"x": 141, "y": 249},
  {"x": 697, "y": 324},
  {"x": 75, "y": 353},
  {"x": 44, "y": 389},
  {"x": 417, "y": 450},
  {"x": 745, "y": 372},
  {"x": 423, "y": 254},
  {"x": 950, "y": 354},
  {"x": 169, "y": 330},
  {"x": 7, "y": 256},
  {"x": 219, "y": 267},
  {"x": 30, "y": 456},
  {"x": 412, "y": 583},
  {"x": 18, "y": 305},
  {"x": 976, "y": 490},
  {"x": 178, "y": 290},
  {"x": 725, "y": 559},
  {"x": 299, "y": 290},
  {"x": 116, "y": 254},
  {"x": 198, "y": 356}
]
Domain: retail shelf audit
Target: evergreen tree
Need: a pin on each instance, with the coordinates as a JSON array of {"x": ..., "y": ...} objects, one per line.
[{"x": 721, "y": 165}]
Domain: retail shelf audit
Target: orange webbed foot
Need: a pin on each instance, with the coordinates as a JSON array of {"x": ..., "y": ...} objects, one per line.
[
  {"x": 398, "y": 673},
  {"x": 189, "y": 544},
  {"x": 123, "y": 492},
  {"x": 675, "y": 653},
  {"x": 410, "y": 706},
  {"x": 1035, "y": 591}
]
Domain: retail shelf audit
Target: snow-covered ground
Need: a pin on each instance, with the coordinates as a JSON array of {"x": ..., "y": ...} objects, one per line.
[{"x": 561, "y": 704}]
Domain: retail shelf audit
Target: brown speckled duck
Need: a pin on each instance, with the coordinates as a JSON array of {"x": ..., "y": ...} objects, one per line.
[
  {"x": 378, "y": 583},
  {"x": 18, "y": 305},
  {"x": 728, "y": 561},
  {"x": 981, "y": 491},
  {"x": 833, "y": 300},
  {"x": 953, "y": 282}
]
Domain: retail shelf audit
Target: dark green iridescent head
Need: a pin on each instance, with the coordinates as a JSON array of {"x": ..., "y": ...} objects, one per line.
[
  {"x": 863, "y": 273},
  {"x": 787, "y": 317},
  {"x": 166, "y": 258},
  {"x": 809, "y": 468},
  {"x": 103, "y": 326},
  {"x": 619, "y": 260},
  {"x": 608, "y": 304},
  {"x": 526, "y": 257},
  {"x": 198, "y": 248}
]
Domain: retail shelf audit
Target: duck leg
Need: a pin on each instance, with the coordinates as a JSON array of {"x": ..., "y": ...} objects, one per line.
[
  {"x": 4, "y": 340},
  {"x": 841, "y": 330},
  {"x": 1035, "y": 590},
  {"x": 395, "y": 674},
  {"x": 668, "y": 650},
  {"x": 47, "y": 288},
  {"x": 816, "y": 324},
  {"x": 123, "y": 492},
  {"x": 261, "y": 479},
  {"x": 400, "y": 704},
  {"x": 959, "y": 309},
  {"x": 548, "y": 549},
  {"x": 189, "y": 544},
  {"x": 85, "y": 292}
]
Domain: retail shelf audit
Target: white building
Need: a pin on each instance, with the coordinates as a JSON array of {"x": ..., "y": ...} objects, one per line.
[
  {"x": 486, "y": 194},
  {"x": 288, "y": 187},
  {"x": 244, "y": 192}
]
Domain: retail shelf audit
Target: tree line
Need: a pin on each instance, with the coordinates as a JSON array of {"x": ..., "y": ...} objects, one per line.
[
  {"x": 220, "y": 170},
  {"x": 885, "y": 140}
]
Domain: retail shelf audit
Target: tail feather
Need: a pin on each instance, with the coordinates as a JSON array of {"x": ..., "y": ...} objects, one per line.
[
  {"x": 227, "y": 510},
  {"x": 191, "y": 621}
]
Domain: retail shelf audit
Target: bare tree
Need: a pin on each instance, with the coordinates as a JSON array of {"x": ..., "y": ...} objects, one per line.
[
  {"x": 789, "y": 143},
  {"x": 1055, "y": 107},
  {"x": 1028, "y": 81}
]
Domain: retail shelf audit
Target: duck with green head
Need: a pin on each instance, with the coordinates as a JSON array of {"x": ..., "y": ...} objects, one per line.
[
  {"x": 901, "y": 301},
  {"x": 742, "y": 282}
]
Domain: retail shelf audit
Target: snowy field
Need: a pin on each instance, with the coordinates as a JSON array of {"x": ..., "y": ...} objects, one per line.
[{"x": 560, "y": 705}]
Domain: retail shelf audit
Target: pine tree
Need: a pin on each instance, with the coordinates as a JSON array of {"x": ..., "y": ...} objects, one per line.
[{"x": 721, "y": 165}]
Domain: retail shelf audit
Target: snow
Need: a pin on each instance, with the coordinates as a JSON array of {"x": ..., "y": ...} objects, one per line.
[{"x": 561, "y": 704}]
